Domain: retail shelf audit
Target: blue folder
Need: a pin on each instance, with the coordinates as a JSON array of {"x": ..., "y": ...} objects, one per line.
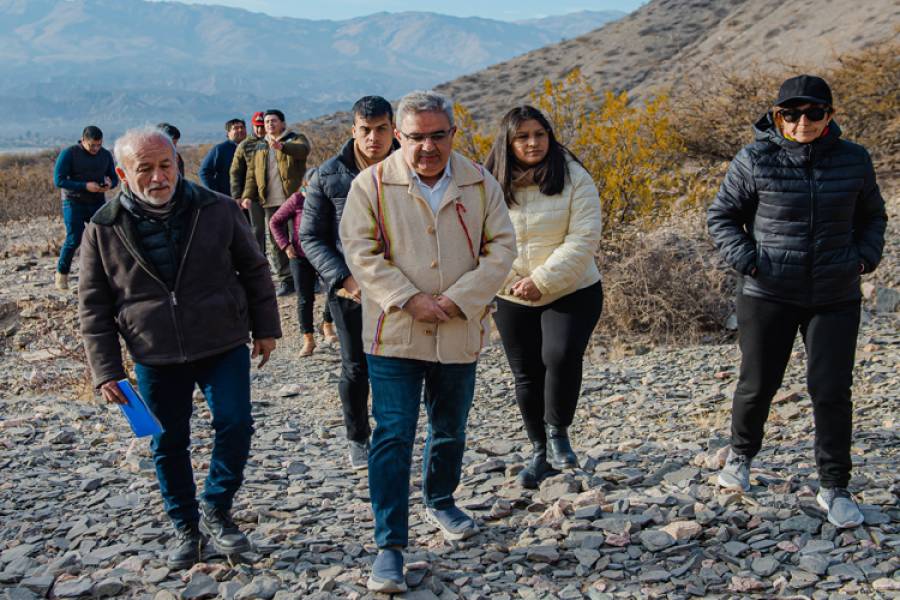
[{"x": 143, "y": 422}]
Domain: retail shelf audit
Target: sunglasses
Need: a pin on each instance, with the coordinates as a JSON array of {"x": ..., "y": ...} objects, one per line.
[{"x": 814, "y": 113}]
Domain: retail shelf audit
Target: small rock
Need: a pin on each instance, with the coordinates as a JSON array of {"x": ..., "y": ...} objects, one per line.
[
  {"x": 747, "y": 584},
  {"x": 814, "y": 563},
  {"x": 683, "y": 530},
  {"x": 73, "y": 588},
  {"x": 655, "y": 540},
  {"x": 262, "y": 587},
  {"x": 108, "y": 588},
  {"x": 764, "y": 566},
  {"x": 543, "y": 554},
  {"x": 200, "y": 586}
]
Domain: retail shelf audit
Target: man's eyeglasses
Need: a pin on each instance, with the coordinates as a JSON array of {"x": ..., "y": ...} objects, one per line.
[
  {"x": 436, "y": 137},
  {"x": 814, "y": 113}
]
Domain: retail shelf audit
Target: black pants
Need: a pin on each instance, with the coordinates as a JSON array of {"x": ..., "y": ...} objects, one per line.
[
  {"x": 353, "y": 386},
  {"x": 766, "y": 336},
  {"x": 545, "y": 347},
  {"x": 305, "y": 283}
]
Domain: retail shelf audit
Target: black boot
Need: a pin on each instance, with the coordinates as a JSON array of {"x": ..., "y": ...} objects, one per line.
[
  {"x": 559, "y": 451},
  {"x": 537, "y": 470},
  {"x": 223, "y": 533},
  {"x": 188, "y": 548}
]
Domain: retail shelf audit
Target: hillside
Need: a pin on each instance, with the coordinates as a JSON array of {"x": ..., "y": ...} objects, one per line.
[
  {"x": 666, "y": 41},
  {"x": 198, "y": 65}
]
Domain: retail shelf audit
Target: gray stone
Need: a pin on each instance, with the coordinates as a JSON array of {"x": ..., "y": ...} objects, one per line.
[
  {"x": 735, "y": 548},
  {"x": 19, "y": 593},
  {"x": 262, "y": 587},
  {"x": 655, "y": 540},
  {"x": 73, "y": 588},
  {"x": 802, "y": 579},
  {"x": 887, "y": 300},
  {"x": 764, "y": 566},
  {"x": 586, "y": 558},
  {"x": 654, "y": 576},
  {"x": 814, "y": 563},
  {"x": 228, "y": 589},
  {"x": 801, "y": 523},
  {"x": 817, "y": 546},
  {"x": 846, "y": 570},
  {"x": 108, "y": 588},
  {"x": 11, "y": 554},
  {"x": 200, "y": 586},
  {"x": 39, "y": 584},
  {"x": 542, "y": 554}
]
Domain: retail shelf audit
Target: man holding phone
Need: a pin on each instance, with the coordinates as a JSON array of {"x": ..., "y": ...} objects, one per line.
[{"x": 83, "y": 173}]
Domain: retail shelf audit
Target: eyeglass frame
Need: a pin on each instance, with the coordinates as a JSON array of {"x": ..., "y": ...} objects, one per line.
[{"x": 421, "y": 138}]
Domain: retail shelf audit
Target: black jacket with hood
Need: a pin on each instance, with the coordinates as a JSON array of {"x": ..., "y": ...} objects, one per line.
[{"x": 809, "y": 218}]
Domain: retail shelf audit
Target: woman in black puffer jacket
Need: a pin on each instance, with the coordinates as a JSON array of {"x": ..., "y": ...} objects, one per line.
[{"x": 800, "y": 217}]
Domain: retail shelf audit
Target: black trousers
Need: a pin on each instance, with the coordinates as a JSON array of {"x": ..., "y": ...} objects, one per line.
[
  {"x": 353, "y": 386},
  {"x": 545, "y": 348},
  {"x": 305, "y": 283},
  {"x": 766, "y": 332}
]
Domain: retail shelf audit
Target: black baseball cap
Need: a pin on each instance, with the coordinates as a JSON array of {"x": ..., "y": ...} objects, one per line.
[{"x": 804, "y": 88}]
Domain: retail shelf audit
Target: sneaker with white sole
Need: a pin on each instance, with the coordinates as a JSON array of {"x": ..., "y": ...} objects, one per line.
[
  {"x": 387, "y": 573},
  {"x": 736, "y": 472},
  {"x": 359, "y": 455},
  {"x": 843, "y": 512},
  {"x": 453, "y": 523}
]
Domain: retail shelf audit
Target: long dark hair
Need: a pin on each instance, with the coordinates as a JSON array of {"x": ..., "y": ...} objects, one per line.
[{"x": 550, "y": 174}]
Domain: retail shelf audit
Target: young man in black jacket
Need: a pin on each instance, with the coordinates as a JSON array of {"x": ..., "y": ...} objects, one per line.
[{"x": 372, "y": 142}]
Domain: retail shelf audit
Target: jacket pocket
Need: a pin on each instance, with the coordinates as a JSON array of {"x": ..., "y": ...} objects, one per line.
[
  {"x": 478, "y": 330},
  {"x": 393, "y": 328}
]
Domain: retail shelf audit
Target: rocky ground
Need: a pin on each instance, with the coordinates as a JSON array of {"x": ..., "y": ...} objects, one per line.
[{"x": 80, "y": 514}]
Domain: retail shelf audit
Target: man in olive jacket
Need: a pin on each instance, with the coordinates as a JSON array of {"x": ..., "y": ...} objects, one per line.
[
  {"x": 276, "y": 173},
  {"x": 173, "y": 269},
  {"x": 237, "y": 174}
]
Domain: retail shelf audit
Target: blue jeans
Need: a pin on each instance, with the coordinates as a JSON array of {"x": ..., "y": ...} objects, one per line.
[
  {"x": 224, "y": 380},
  {"x": 76, "y": 216},
  {"x": 396, "y": 394}
]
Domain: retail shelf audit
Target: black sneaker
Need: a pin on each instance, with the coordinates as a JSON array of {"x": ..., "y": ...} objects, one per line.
[
  {"x": 188, "y": 548},
  {"x": 285, "y": 288},
  {"x": 223, "y": 533}
]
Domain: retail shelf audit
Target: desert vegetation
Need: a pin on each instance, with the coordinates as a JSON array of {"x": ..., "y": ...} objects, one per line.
[{"x": 657, "y": 163}]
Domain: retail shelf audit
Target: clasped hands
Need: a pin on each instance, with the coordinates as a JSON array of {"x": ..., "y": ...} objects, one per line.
[{"x": 432, "y": 309}]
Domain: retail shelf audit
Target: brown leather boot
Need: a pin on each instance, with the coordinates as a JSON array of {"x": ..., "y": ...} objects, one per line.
[
  {"x": 309, "y": 344},
  {"x": 329, "y": 333}
]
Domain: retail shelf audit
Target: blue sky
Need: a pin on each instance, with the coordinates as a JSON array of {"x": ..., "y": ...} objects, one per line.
[{"x": 508, "y": 10}]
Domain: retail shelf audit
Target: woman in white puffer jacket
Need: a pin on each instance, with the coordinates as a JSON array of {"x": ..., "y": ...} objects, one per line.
[{"x": 552, "y": 299}]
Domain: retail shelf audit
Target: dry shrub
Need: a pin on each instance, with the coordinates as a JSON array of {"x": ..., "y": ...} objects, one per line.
[
  {"x": 633, "y": 152},
  {"x": 26, "y": 186},
  {"x": 666, "y": 285},
  {"x": 713, "y": 112}
]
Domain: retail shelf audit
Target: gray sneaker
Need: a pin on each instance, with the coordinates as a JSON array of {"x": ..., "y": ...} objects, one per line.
[
  {"x": 843, "y": 512},
  {"x": 359, "y": 455},
  {"x": 736, "y": 472},
  {"x": 453, "y": 523}
]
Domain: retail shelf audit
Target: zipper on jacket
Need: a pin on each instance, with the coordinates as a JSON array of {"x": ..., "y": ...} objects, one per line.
[
  {"x": 187, "y": 248},
  {"x": 810, "y": 173}
]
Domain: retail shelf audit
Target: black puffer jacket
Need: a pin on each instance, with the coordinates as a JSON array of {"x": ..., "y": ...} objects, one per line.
[
  {"x": 805, "y": 216},
  {"x": 326, "y": 194}
]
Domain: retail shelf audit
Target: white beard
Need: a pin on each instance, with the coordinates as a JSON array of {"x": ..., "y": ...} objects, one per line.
[{"x": 157, "y": 202}]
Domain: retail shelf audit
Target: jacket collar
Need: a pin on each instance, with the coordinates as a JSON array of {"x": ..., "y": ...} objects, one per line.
[
  {"x": 465, "y": 171},
  {"x": 187, "y": 192},
  {"x": 765, "y": 131}
]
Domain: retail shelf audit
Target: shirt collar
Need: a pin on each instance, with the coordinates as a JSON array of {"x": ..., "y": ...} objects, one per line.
[{"x": 448, "y": 173}]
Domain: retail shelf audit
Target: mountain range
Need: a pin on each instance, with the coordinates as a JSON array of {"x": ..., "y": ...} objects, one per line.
[{"x": 116, "y": 63}]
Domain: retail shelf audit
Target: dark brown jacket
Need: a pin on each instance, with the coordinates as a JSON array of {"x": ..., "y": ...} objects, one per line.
[{"x": 223, "y": 289}]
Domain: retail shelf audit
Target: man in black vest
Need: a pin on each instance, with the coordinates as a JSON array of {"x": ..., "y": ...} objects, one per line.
[{"x": 84, "y": 171}]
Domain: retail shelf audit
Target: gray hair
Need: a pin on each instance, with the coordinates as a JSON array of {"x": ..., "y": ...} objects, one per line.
[
  {"x": 128, "y": 141},
  {"x": 424, "y": 101}
]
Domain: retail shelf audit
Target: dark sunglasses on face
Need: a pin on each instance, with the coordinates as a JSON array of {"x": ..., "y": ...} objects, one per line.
[{"x": 814, "y": 113}]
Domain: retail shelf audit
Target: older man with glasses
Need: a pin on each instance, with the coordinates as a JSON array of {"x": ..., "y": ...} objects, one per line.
[{"x": 428, "y": 238}]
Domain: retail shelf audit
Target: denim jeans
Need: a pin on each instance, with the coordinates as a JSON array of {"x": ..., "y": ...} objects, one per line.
[
  {"x": 353, "y": 386},
  {"x": 76, "y": 215},
  {"x": 225, "y": 382},
  {"x": 766, "y": 332},
  {"x": 396, "y": 395}
]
